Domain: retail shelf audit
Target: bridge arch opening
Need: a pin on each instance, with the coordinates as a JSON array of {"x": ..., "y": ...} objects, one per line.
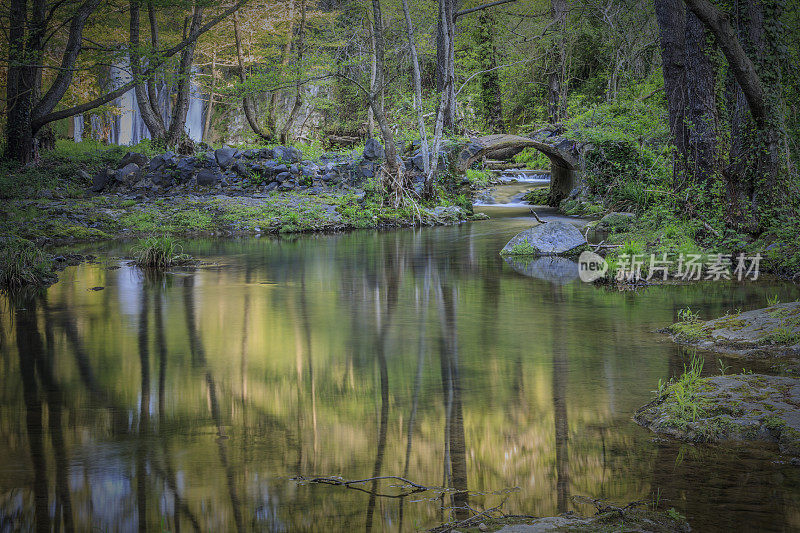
[{"x": 564, "y": 164}]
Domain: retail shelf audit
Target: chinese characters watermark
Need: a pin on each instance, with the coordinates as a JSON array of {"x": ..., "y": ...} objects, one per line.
[{"x": 687, "y": 267}]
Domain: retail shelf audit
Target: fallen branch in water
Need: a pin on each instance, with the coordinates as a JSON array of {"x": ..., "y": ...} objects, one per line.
[
  {"x": 350, "y": 484},
  {"x": 603, "y": 506},
  {"x": 537, "y": 217},
  {"x": 467, "y": 522}
]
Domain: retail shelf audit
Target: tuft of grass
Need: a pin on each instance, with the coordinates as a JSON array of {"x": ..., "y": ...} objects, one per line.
[
  {"x": 773, "y": 300},
  {"x": 523, "y": 248},
  {"x": 22, "y": 263},
  {"x": 159, "y": 252},
  {"x": 689, "y": 327}
]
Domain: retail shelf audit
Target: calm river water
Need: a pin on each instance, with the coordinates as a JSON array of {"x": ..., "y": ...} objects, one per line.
[{"x": 193, "y": 400}]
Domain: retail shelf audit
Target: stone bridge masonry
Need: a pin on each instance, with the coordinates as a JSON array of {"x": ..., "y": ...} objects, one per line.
[{"x": 565, "y": 157}]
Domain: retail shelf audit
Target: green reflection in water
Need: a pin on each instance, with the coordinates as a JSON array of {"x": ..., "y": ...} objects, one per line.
[{"x": 190, "y": 400}]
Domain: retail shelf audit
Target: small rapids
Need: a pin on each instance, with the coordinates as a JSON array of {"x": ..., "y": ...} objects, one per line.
[{"x": 512, "y": 186}]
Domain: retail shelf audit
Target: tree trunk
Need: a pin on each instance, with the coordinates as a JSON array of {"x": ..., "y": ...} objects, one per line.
[
  {"x": 207, "y": 125},
  {"x": 151, "y": 117},
  {"x": 176, "y": 127},
  {"x": 752, "y": 177},
  {"x": 491, "y": 100},
  {"x": 272, "y": 110},
  {"x": 298, "y": 95},
  {"x": 444, "y": 93},
  {"x": 19, "y": 88},
  {"x": 247, "y": 103},
  {"x": 671, "y": 24},
  {"x": 445, "y": 38},
  {"x": 701, "y": 106},
  {"x": 374, "y": 99},
  {"x": 557, "y": 77},
  {"x": 423, "y": 135}
]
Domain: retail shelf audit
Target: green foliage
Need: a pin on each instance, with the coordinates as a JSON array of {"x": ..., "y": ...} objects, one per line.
[
  {"x": 537, "y": 196},
  {"x": 533, "y": 159},
  {"x": 158, "y": 252},
  {"x": 523, "y": 248},
  {"x": 479, "y": 178},
  {"x": 689, "y": 327},
  {"x": 22, "y": 263},
  {"x": 683, "y": 397}
]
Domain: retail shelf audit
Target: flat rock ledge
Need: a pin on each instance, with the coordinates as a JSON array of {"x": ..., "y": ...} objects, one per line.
[
  {"x": 630, "y": 520},
  {"x": 768, "y": 332},
  {"x": 747, "y": 407}
]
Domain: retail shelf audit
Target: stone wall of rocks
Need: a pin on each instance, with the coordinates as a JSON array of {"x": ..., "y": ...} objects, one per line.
[{"x": 236, "y": 171}]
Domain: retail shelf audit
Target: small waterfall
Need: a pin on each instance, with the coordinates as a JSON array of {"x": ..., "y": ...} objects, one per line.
[
  {"x": 127, "y": 127},
  {"x": 195, "y": 115},
  {"x": 77, "y": 128}
]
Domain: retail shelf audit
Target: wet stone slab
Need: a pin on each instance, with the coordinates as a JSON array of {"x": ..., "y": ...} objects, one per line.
[{"x": 752, "y": 407}]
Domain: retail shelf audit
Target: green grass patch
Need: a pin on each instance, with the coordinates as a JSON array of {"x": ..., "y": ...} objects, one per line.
[
  {"x": 159, "y": 252},
  {"x": 23, "y": 263}
]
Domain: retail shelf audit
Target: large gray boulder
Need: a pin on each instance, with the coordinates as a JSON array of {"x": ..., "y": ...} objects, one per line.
[
  {"x": 287, "y": 154},
  {"x": 128, "y": 174},
  {"x": 551, "y": 238},
  {"x": 133, "y": 157},
  {"x": 225, "y": 156},
  {"x": 101, "y": 179},
  {"x": 373, "y": 150},
  {"x": 208, "y": 176}
]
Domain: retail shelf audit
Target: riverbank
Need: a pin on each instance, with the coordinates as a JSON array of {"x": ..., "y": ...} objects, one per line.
[
  {"x": 736, "y": 408},
  {"x": 769, "y": 332},
  {"x": 83, "y": 192},
  {"x": 122, "y": 216}
]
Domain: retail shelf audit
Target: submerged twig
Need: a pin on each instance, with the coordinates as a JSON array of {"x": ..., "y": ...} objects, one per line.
[
  {"x": 468, "y": 521},
  {"x": 350, "y": 484},
  {"x": 537, "y": 217}
]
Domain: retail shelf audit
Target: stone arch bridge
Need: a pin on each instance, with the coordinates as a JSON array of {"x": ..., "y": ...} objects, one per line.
[{"x": 565, "y": 156}]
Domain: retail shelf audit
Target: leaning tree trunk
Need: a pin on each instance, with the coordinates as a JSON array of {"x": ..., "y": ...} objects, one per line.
[
  {"x": 423, "y": 135},
  {"x": 671, "y": 24},
  {"x": 176, "y": 127},
  {"x": 298, "y": 94},
  {"x": 377, "y": 104},
  {"x": 272, "y": 110},
  {"x": 150, "y": 115},
  {"x": 247, "y": 102},
  {"x": 754, "y": 55}
]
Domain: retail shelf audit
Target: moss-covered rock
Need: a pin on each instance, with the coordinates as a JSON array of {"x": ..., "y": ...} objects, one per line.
[
  {"x": 750, "y": 407},
  {"x": 771, "y": 331}
]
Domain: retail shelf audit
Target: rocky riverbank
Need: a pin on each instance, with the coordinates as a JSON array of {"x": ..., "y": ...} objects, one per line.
[
  {"x": 748, "y": 407},
  {"x": 250, "y": 171},
  {"x": 221, "y": 192},
  {"x": 773, "y": 331}
]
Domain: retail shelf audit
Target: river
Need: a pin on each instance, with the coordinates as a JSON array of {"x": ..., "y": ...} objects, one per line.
[{"x": 195, "y": 399}]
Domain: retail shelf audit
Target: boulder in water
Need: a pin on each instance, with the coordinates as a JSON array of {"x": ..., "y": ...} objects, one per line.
[{"x": 552, "y": 238}]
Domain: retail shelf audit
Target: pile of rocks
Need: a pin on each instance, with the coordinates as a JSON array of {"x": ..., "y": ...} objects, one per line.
[{"x": 248, "y": 171}]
